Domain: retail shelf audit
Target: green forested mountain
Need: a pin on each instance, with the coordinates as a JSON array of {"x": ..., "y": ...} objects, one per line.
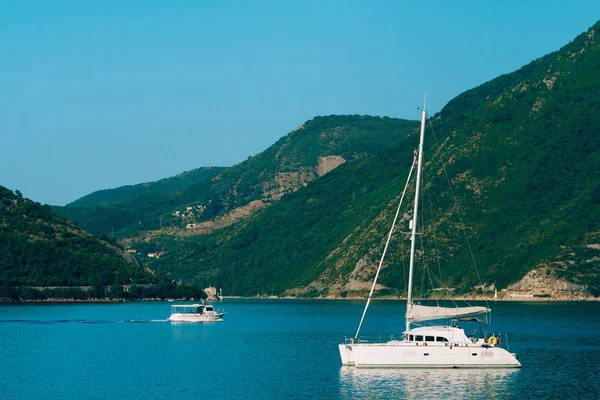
[
  {"x": 512, "y": 184},
  {"x": 306, "y": 153},
  {"x": 39, "y": 248},
  {"x": 172, "y": 184},
  {"x": 522, "y": 154}
]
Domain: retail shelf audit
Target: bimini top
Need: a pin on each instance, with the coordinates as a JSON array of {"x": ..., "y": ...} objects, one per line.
[
  {"x": 417, "y": 313},
  {"x": 187, "y": 305}
]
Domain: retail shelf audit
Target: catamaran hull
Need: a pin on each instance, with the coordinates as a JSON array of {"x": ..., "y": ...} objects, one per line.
[
  {"x": 347, "y": 354},
  {"x": 369, "y": 355}
]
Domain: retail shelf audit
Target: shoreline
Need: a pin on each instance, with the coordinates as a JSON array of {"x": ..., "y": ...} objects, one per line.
[
  {"x": 512, "y": 300},
  {"x": 482, "y": 299}
]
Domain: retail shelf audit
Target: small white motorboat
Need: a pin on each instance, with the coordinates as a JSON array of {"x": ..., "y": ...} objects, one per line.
[{"x": 195, "y": 313}]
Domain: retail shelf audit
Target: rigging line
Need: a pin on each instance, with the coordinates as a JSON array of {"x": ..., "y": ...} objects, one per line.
[
  {"x": 406, "y": 253},
  {"x": 407, "y": 210},
  {"x": 429, "y": 275},
  {"x": 386, "y": 247},
  {"x": 442, "y": 285},
  {"x": 422, "y": 288},
  {"x": 438, "y": 278},
  {"x": 457, "y": 210},
  {"x": 402, "y": 252},
  {"x": 427, "y": 194},
  {"x": 435, "y": 241},
  {"x": 425, "y": 274},
  {"x": 455, "y": 204}
]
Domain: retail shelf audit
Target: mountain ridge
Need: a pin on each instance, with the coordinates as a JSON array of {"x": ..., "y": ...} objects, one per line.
[
  {"x": 174, "y": 183},
  {"x": 520, "y": 153},
  {"x": 307, "y": 152}
]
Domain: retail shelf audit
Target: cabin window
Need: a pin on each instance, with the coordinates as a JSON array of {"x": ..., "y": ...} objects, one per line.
[
  {"x": 419, "y": 338},
  {"x": 426, "y": 354},
  {"x": 473, "y": 354},
  {"x": 440, "y": 339},
  {"x": 411, "y": 337},
  {"x": 429, "y": 339}
]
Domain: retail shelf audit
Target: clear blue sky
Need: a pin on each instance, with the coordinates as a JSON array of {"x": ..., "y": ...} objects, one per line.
[{"x": 100, "y": 94}]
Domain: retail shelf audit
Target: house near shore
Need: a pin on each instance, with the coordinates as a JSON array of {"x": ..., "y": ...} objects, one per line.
[{"x": 213, "y": 294}]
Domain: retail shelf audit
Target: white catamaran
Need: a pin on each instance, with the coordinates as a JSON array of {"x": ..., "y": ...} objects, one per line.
[{"x": 441, "y": 346}]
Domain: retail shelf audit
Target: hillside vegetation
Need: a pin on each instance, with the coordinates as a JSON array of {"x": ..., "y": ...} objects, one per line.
[
  {"x": 521, "y": 153},
  {"x": 40, "y": 249}
]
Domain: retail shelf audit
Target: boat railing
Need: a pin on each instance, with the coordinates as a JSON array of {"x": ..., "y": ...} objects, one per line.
[
  {"x": 371, "y": 339},
  {"x": 387, "y": 338},
  {"x": 506, "y": 341},
  {"x": 500, "y": 340}
]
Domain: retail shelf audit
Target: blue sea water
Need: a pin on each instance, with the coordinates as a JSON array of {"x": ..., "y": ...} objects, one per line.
[{"x": 277, "y": 349}]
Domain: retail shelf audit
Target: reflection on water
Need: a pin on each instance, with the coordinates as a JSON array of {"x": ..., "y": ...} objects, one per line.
[{"x": 358, "y": 383}]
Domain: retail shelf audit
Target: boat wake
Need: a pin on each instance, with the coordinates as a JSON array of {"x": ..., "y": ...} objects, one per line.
[
  {"x": 143, "y": 321},
  {"x": 80, "y": 321}
]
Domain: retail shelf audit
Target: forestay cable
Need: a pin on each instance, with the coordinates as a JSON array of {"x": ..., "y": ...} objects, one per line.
[{"x": 385, "y": 248}]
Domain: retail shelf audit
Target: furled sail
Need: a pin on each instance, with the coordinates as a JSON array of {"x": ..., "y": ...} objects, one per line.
[{"x": 418, "y": 313}]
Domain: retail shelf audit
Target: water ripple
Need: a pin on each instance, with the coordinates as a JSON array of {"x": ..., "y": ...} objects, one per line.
[{"x": 79, "y": 321}]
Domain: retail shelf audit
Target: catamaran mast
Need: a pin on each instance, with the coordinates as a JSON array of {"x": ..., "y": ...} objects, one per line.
[{"x": 413, "y": 236}]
